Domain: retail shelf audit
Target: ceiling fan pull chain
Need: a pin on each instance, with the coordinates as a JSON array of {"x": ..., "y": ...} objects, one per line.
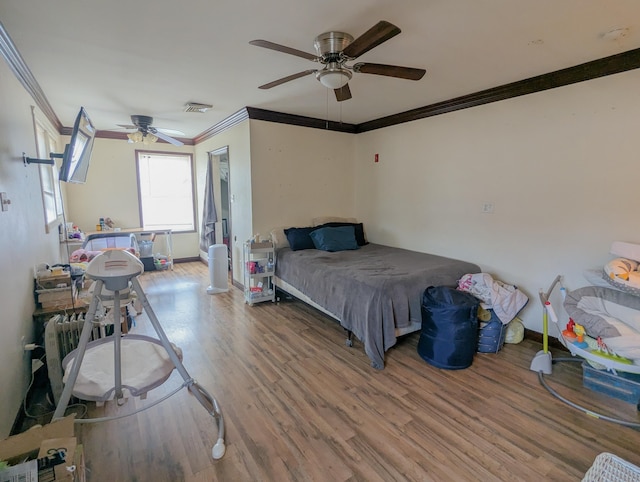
[{"x": 327, "y": 109}]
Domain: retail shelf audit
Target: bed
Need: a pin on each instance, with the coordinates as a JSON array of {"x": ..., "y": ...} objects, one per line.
[{"x": 374, "y": 291}]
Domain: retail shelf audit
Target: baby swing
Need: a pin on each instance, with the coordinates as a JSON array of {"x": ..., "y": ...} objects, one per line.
[
  {"x": 148, "y": 362},
  {"x": 542, "y": 361}
]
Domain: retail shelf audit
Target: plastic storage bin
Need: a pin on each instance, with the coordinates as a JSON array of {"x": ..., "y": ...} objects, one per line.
[
  {"x": 449, "y": 334},
  {"x": 623, "y": 386},
  {"x": 146, "y": 249}
]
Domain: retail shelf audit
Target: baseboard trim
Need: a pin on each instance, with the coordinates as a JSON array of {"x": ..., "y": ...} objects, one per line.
[
  {"x": 187, "y": 260},
  {"x": 536, "y": 336}
]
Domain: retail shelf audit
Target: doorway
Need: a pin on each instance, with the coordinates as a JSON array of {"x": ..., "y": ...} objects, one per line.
[{"x": 220, "y": 157}]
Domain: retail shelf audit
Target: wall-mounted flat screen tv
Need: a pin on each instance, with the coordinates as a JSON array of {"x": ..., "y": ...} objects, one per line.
[{"x": 77, "y": 154}]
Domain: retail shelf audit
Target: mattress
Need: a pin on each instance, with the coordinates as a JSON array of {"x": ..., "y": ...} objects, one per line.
[{"x": 375, "y": 291}]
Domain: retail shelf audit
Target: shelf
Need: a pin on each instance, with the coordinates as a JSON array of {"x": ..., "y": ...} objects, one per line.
[
  {"x": 259, "y": 256},
  {"x": 261, "y": 297},
  {"x": 261, "y": 250}
]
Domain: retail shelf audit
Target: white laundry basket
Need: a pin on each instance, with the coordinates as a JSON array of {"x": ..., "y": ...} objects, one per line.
[{"x": 610, "y": 468}]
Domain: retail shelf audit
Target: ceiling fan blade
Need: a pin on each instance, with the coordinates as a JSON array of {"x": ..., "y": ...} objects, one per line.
[
  {"x": 343, "y": 93},
  {"x": 169, "y": 132},
  {"x": 281, "y": 48},
  {"x": 390, "y": 70},
  {"x": 286, "y": 79},
  {"x": 125, "y": 126},
  {"x": 165, "y": 137},
  {"x": 380, "y": 32}
]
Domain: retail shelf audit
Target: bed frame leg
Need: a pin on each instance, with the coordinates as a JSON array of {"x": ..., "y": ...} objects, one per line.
[{"x": 349, "y": 340}]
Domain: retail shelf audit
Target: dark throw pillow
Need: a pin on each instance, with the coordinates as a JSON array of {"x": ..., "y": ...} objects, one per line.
[
  {"x": 334, "y": 238},
  {"x": 299, "y": 238},
  {"x": 358, "y": 227}
]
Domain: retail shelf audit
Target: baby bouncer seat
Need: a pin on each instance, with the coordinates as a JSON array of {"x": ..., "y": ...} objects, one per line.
[{"x": 120, "y": 365}]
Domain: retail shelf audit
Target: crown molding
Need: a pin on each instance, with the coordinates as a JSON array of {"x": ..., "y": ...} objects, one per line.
[
  {"x": 613, "y": 64},
  {"x": 594, "y": 69},
  {"x": 298, "y": 120},
  {"x": 21, "y": 70},
  {"x": 231, "y": 121}
]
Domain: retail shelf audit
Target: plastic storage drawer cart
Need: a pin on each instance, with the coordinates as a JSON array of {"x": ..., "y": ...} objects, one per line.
[{"x": 449, "y": 334}]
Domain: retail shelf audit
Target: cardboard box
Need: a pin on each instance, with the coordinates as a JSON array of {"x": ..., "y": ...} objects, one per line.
[
  {"x": 53, "y": 280},
  {"x": 56, "y": 297},
  {"x": 38, "y": 442}
]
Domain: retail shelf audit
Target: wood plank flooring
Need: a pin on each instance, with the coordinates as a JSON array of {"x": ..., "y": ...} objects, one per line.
[{"x": 299, "y": 405}]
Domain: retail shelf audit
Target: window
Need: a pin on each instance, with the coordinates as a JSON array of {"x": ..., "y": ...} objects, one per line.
[
  {"x": 51, "y": 198},
  {"x": 165, "y": 186}
]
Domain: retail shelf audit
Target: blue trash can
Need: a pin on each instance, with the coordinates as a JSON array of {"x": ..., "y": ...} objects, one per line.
[{"x": 449, "y": 335}]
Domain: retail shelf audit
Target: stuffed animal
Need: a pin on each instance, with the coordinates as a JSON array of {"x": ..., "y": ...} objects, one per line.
[{"x": 620, "y": 268}]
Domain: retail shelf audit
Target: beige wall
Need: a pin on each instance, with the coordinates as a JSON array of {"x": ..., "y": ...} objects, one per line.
[
  {"x": 23, "y": 240},
  {"x": 280, "y": 175},
  {"x": 111, "y": 191},
  {"x": 299, "y": 173},
  {"x": 560, "y": 167}
]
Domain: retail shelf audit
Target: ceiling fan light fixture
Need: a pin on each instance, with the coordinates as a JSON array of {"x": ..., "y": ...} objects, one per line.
[
  {"x": 149, "y": 138},
  {"x": 135, "y": 136},
  {"x": 145, "y": 138},
  {"x": 334, "y": 77}
]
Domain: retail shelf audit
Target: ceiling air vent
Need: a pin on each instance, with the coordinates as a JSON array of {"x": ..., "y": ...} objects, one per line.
[{"x": 196, "y": 107}]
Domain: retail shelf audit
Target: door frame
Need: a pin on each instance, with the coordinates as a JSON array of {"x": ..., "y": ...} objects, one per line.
[{"x": 214, "y": 159}]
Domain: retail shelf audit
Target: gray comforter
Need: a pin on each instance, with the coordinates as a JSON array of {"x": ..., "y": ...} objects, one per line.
[{"x": 371, "y": 290}]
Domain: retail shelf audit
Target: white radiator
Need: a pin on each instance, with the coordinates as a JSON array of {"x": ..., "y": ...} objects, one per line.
[{"x": 61, "y": 337}]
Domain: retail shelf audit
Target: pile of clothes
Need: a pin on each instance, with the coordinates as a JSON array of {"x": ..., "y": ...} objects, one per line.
[{"x": 505, "y": 300}]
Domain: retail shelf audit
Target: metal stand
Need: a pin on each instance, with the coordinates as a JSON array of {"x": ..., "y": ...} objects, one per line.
[
  {"x": 542, "y": 361},
  {"x": 114, "y": 270}
]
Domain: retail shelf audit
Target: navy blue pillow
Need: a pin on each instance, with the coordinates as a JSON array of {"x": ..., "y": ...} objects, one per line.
[
  {"x": 358, "y": 227},
  {"x": 299, "y": 238},
  {"x": 334, "y": 239}
]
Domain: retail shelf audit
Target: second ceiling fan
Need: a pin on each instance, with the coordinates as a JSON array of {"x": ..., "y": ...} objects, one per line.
[
  {"x": 334, "y": 50},
  {"x": 145, "y": 131}
]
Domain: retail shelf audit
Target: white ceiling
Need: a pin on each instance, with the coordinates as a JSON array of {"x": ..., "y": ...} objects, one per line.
[{"x": 123, "y": 57}]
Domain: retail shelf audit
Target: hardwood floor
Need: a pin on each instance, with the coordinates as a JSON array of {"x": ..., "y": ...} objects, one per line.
[{"x": 300, "y": 405}]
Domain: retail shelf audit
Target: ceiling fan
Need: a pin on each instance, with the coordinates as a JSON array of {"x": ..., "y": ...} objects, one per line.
[
  {"x": 148, "y": 134},
  {"x": 334, "y": 50}
]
